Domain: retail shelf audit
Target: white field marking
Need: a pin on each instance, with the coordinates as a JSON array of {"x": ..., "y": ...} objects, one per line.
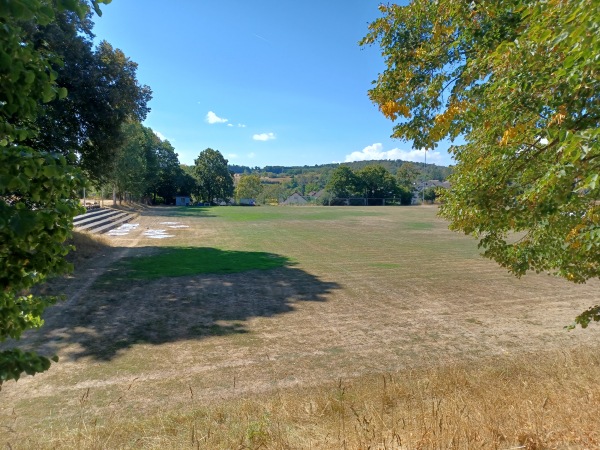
[
  {"x": 123, "y": 230},
  {"x": 174, "y": 224},
  {"x": 157, "y": 234}
]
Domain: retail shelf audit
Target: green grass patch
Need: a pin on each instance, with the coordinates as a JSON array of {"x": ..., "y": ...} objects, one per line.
[
  {"x": 385, "y": 265},
  {"x": 270, "y": 213},
  {"x": 419, "y": 225},
  {"x": 184, "y": 261}
]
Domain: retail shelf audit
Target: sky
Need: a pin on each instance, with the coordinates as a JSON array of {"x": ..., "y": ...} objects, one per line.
[{"x": 265, "y": 82}]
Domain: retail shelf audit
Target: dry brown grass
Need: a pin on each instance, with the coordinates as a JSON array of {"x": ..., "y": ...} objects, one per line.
[
  {"x": 296, "y": 357},
  {"x": 542, "y": 401},
  {"x": 87, "y": 246}
]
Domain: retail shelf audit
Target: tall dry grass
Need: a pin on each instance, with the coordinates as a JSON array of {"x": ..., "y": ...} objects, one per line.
[
  {"x": 87, "y": 246},
  {"x": 537, "y": 401}
]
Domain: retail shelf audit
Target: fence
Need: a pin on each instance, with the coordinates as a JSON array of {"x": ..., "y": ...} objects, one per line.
[{"x": 361, "y": 201}]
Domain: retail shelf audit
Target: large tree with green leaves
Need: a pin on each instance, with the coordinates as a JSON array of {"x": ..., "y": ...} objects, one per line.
[
  {"x": 248, "y": 186},
  {"x": 171, "y": 180},
  {"x": 376, "y": 182},
  {"x": 38, "y": 188},
  {"x": 214, "y": 179},
  {"x": 103, "y": 93},
  {"x": 406, "y": 178},
  {"x": 519, "y": 80},
  {"x": 343, "y": 183},
  {"x": 134, "y": 166}
]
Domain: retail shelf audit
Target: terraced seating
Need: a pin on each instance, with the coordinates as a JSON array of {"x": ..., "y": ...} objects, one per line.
[{"x": 101, "y": 220}]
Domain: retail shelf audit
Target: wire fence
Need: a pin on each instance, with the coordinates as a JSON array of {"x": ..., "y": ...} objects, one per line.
[{"x": 362, "y": 201}]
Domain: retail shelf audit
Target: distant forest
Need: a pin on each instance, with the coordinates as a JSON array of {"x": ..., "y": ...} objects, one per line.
[
  {"x": 281, "y": 181},
  {"x": 427, "y": 171}
]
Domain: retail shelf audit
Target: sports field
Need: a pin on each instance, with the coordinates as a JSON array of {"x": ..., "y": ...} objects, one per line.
[{"x": 201, "y": 306}]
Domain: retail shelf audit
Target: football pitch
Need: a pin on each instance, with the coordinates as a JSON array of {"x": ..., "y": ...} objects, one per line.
[{"x": 225, "y": 302}]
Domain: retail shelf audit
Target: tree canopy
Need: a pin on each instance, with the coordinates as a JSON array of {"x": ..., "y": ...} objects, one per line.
[
  {"x": 248, "y": 186},
  {"x": 343, "y": 182},
  {"x": 214, "y": 179},
  {"x": 519, "y": 81},
  {"x": 38, "y": 188},
  {"x": 146, "y": 167},
  {"x": 103, "y": 93}
]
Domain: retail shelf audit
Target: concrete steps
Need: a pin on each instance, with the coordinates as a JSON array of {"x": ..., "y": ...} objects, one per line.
[{"x": 102, "y": 220}]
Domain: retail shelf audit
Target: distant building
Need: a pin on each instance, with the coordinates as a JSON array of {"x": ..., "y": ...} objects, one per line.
[
  {"x": 432, "y": 183},
  {"x": 314, "y": 195},
  {"x": 295, "y": 199},
  {"x": 182, "y": 201}
]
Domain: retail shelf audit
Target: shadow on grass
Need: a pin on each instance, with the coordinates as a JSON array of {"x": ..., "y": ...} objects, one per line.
[
  {"x": 181, "y": 211},
  {"x": 206, "y": 292},
  {"x": 183, "y": 261}
]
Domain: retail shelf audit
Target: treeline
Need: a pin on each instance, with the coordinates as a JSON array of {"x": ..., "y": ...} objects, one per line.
[
  {"x": 426, "y": 171},
  {"x": 279, "y": 182},
  {"x": 147, "y": 169},
  {"x": 93, "y": 113}
]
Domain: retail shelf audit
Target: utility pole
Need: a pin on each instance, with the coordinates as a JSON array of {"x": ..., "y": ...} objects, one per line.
[{"x": 424, "y": 183}]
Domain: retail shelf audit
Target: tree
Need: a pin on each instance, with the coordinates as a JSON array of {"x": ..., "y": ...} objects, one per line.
[
  {"x": 214, "y": 179},
  {"x": 249, "y": 186},
  {"x": 170, "y": 174},
  {"x": 406, "y": 176},
  {"x": 103, "y": 93},
  {"x": 271, "y": 194},
  {"x": 38, "y": 189},
  {"x": 519, "y": 81},
  {"x": 343, "y": 183},
  {"x": 429, "y": 194},
  {"x": 377, "y": 182},
  {"x": 131, "y": 164},
  {"x": 186, "y": 180}
]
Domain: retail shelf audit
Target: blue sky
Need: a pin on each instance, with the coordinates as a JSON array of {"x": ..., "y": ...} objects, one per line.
[{"x": 264, "y": 82}]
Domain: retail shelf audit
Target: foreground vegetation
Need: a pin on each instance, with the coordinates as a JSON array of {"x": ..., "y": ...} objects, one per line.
[{"x": 502, "y": 403}]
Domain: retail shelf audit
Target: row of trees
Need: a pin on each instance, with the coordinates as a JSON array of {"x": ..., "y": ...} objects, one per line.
[
  {"x": 323, "y": 171},
  {"x": 374, "y": 182},
  {"x": 213, "y": 180},
  {"x": 67, "y": 110},
  {"x": 147, "y": 168}
]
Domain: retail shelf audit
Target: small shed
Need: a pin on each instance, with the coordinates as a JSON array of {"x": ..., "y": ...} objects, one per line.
[
  {"x": 247, "y": 201},
  {"x": 182, "y": 201},
  {"x": 295, "y": 199}
]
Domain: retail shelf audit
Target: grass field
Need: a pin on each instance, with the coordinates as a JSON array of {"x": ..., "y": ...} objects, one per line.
[{"x": 306, "y": 327}]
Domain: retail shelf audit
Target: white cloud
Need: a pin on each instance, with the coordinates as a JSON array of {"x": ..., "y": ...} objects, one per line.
[
  {"x": 232, "y": 156},
  {"x": 263, "y": 137},
  {"x": 251, "y": 155},
  {"x": 160, "y": 135},
  {"x": 241, "y": 125},
  {"x": 212, "y": 118},
  {"x": 229, "y": 125},
  {"x": 376, "y": 152}
]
